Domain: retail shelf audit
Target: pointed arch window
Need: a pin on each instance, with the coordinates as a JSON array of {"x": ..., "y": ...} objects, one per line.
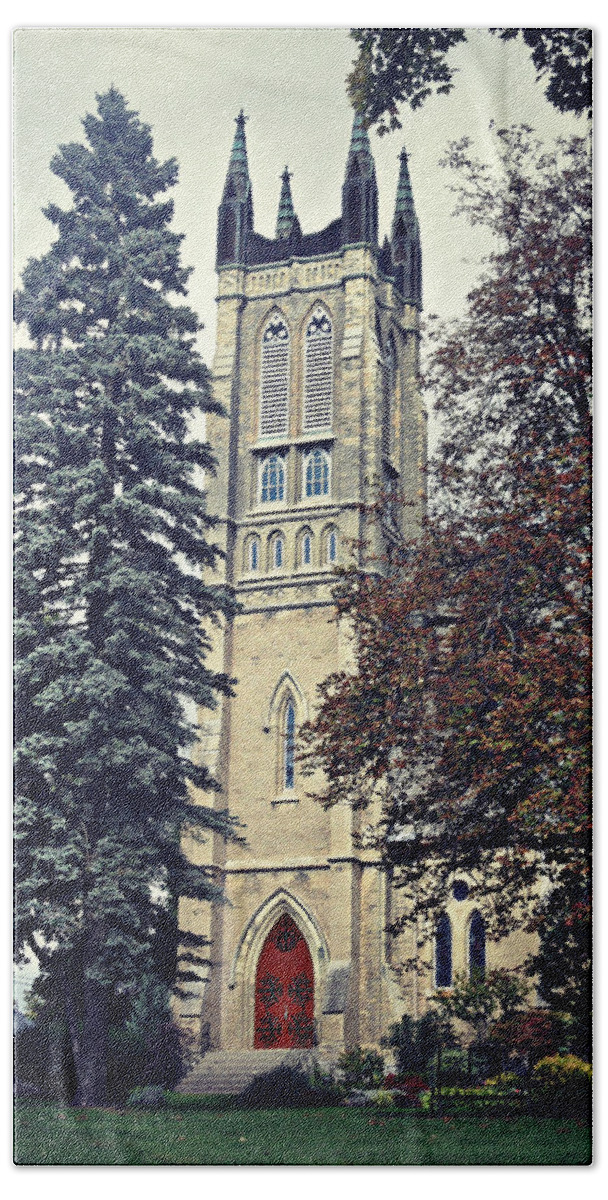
[
  {"x": 318, "y": 371},
  {"x": 252, "y": 554},
  {"x": 330, "y": 546},
  {"x": 274, "y": 397},
  {"x": 272, "y": 479},
  {"x": 390, "y": 385},
  {"x": 289, "y": 749},
  {"x": 277, "y": 552},
  {"x": 477, "y": 946},
  {"x": 304, "y": 543},
  {"x": 316, "y": 473},
  {"x": 443, "y": 952}
]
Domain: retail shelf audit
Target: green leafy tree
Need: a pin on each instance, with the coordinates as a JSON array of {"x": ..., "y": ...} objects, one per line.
[
  {"x": 405, "y": 66},
  {"x": 113, "y": 613}
]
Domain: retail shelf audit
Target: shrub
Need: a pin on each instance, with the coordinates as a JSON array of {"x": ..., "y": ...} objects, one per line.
[
  {"x": 147, "y": 1097},
  {"x": 535, "y": 1033},
  {"x": 410, "y": 1085},
  {"x": 504, "y": 1082},
  {"x": 361, "y": 1068},
  {"x": 415, "y": 1042},
  {"x": 561, "y": 1084},
  {"x": 286, "y": 1087},
  {"x": 384, "y": 1099}
]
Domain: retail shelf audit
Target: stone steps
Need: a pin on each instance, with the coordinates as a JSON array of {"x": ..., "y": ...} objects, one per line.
[{"x": 228, "y": 1072}]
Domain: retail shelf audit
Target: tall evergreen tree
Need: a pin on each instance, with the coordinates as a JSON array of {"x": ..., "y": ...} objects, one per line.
[{"x": 112, "y": 609}]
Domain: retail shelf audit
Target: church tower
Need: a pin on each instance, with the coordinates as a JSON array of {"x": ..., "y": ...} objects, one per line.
[{"x": 316, "y": 367}]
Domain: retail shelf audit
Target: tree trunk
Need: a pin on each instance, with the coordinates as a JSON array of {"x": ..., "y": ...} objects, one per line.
[
  {"x": 92, "y": 1090},
  {"x": 89, "y": 1042}
]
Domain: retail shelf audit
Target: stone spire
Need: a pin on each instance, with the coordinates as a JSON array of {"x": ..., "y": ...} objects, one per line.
[
  {"x": 235, "y": 214},
  {"x": 405, "y": 237},
  {"x": 360, "y": 191},
  {"x": 287, "y": 222},
  {"x": 360, "y": 157}
]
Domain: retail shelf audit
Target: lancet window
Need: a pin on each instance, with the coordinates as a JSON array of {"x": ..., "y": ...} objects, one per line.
[
  {"x": 316, "y": 473},
  {"x": 272, "y": 479},
  {"x": 318, "y": 371},
  {"x": 477, "y": 946},
  {"x": 443, "y": 952},
  {"x": 274, "y": 391}
]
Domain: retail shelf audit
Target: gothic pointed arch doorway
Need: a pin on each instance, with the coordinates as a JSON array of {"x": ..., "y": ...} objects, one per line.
[{"x": 284, "y": 989}]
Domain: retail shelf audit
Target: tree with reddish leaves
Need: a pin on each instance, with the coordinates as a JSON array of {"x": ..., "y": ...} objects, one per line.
[{"x": 467, "y": 716}]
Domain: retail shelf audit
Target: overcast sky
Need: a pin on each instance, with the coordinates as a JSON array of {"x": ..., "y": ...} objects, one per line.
[{"x": 189, "y": 84}]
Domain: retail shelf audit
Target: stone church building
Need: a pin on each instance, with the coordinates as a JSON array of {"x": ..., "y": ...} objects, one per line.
[{"x": 316, "y": 365}]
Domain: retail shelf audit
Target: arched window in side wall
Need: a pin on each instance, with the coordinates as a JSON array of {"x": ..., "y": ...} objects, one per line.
[
  {"x": 477, "y": 946},
  {"x": 272, "y": 480},
  {"x": 276, "y": 552},
  {"x": 443, "y": 952},
  {"x": 252, "y": 558},
  {"x": 289, "y": 748},
  {"x": 390, "y": 387},
  {"x": 316, "y": 473},
  {"x": 274, "y": 388},
  {"x": 318, "y": 371},
  {"x": 330, "y": 547}
]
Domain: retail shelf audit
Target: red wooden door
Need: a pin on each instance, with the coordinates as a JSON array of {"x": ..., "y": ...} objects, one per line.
[{"x": 284, "y": 989}]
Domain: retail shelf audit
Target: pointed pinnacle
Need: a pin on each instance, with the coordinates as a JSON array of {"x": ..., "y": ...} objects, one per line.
[
  {"x": 360, "y": 149},
  {"x": 286, "y": 214},
  {"x": 404, "y": 205}
]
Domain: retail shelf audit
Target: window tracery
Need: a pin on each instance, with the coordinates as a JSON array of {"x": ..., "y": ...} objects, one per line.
[
  {"x": 274, "y": 388},
  {"x": 272, "y": 479},
  {"x": 316, "y": 473},
  {"x": 318, "y": 371}
]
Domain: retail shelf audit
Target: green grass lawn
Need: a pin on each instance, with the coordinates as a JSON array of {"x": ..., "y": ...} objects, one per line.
[{"x": 211, "y": 1131}]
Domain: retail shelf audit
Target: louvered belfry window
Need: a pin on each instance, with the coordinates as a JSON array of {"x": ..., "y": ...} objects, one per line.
[
  {"x": 318, "y": 377},
  {"x": 274, "y": 400}
]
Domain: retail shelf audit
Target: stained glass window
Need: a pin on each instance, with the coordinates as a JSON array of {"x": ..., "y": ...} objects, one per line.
[
  {"x": 390, "y": 382},
  {"x": 277, "y": 552},
  {"x": 318, "y": 371},
  {"x": 272, "y": 480},
  {"x": 306, "y": 550},
  {"x": 274, "y": 399},
  {"x": 330, "y": 543},
  {"x": 254, "y": 554},
  {"x": 290, "y": 745},
  {"x": 443, "y": 952},
  {"x": 477, "y": 946},
  {"x": 316, "y": 473}
]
